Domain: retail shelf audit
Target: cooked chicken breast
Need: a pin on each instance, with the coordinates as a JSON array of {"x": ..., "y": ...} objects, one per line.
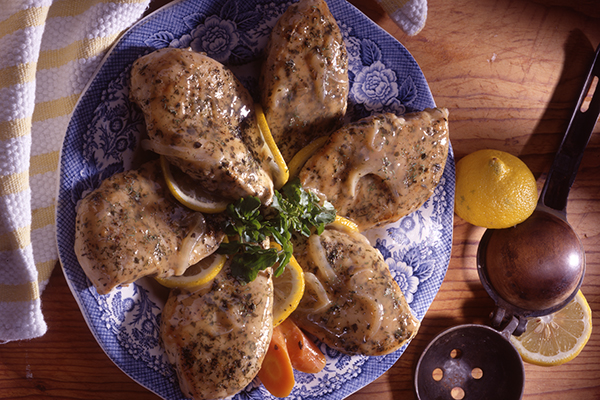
[
  {"x": 217, "y": 335},
  {"x": 304, "y": 80},
  {"x": 382, "y": 167},
  {"x": 201, "y": 117},
  {"x": 351, "y": 302},
  {"x": 132, "y": 227}
]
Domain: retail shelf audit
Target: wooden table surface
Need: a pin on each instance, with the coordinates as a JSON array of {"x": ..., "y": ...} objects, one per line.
[{"x": 509, "y": 71}]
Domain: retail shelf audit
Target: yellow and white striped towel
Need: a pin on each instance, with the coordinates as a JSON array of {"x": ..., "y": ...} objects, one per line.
[
  {"x": 410, "y": 15},
  {"x": 49, "y": 49}
]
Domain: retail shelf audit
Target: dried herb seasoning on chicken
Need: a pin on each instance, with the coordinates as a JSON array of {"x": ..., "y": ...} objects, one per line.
[{"x": 201, "y": 119}]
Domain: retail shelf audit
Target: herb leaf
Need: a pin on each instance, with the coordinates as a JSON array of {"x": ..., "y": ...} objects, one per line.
[{"x": 249, "y": 224}]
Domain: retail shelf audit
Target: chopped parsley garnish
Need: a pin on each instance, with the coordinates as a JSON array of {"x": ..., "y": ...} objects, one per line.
[{"x": 250, "y": 223}]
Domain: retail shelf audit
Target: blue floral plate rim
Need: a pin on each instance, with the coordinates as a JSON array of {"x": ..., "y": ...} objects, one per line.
[{"x": 103, "y": 137}]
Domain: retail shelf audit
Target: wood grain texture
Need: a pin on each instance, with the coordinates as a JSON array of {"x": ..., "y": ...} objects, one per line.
[{"x": 510, "y": 72}]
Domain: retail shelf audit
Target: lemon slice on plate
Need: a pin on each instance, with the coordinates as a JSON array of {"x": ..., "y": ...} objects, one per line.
[
  {"x": 302, "y": 156},
  {"x": 198, "y": 274},
  {"x": 280, "y": 171},
  {"x": 556, "y": 338},
  {"x": 288, "y": 289},
  {"x": 188, "y": 192},
  {"x": 344, "y": 224}
]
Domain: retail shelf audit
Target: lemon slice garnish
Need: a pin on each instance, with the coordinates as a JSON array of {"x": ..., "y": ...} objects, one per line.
[
  {"x": 556, "y": 338},
  {"x": 188, "y": 192},
  {"x": 302, "y": 156},
  {"x": 280, "y": 169},
  {"x": 344, "y": 224},
  {"x": 198, "y": 274},
  {"x": 288, "y": 289}
]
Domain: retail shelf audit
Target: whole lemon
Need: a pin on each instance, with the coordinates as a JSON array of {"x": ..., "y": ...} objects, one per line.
[{"x": 494, "y": 189}]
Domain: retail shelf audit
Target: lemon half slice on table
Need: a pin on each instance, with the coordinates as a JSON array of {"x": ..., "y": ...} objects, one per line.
[
  {"x": 556, "y": 338},
  {"x": 280, "y": 169},
  {"x": 198, "y": 274},
  {"x": 188, "y": 192}
]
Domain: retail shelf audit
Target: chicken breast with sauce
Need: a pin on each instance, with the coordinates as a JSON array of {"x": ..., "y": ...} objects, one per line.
[
  {"x": 304, "y": 80},
  {"x": 202, "y": 118},
  {"x": 381, "y": 168},
  {"x": 131, "y": 226},
  {"x": 351, "y": 302},
  {"x": 217, "y": 335}
]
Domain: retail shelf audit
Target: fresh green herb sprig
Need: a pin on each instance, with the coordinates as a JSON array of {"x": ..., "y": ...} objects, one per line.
[{"x": 249, "y": 224}]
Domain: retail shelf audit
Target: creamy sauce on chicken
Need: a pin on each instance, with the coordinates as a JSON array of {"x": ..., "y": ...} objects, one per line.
[
  {"x": 132, "y": 227},
  {"x": 202, "y": 118},
  {"x": 217, "y": 335},
  {"x": 304, "y": 80},
  {"x": 382, "y": 167},
  {"x": 351, "y": 302}
]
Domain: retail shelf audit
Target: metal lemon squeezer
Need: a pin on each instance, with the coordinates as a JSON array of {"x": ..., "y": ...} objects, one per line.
[{"x": 530, "y": 270}]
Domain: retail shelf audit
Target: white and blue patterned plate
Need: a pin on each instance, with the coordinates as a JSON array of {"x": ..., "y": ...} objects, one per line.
[{"x": 103, "y": 139}]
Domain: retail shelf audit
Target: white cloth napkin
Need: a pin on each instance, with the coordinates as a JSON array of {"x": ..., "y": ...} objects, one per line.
[
  {"x": 49, "y": 50},
  {"x": 410, "y": 15}
]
